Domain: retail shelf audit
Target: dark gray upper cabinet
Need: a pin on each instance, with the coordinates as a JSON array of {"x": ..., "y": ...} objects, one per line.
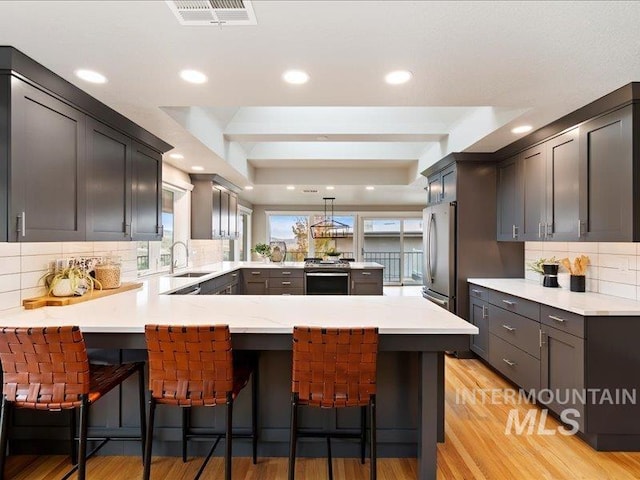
[
  {"x": 562, "y": 187},
  {"x": 534, "y": 167},
  {"x": 67, "y": 162},
  {"x": 509, "y": 200},
  {"x": 109, "y": 186},
  {"x": 442, "y": 185},
  {"x": 47, "y": 167},
  {"x": 146, "y": 218},
  {"x": 606, "y": 178},
  {"x": 214, "y": 209}
]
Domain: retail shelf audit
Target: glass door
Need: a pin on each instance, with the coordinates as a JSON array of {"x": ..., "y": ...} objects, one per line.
[{"x": 395, "y": 243}]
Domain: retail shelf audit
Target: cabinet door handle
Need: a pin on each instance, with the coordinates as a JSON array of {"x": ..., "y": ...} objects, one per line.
[
  {"x": 22, "y": 227},
  {"x": 540, "y": 230},
  {"x": 579, "y": 228},
  {"x": 548, "y": 230},
  {"x": 509, "y": 362},
  {"x": 366, "y": 273},
  {"x": 541, "y": 337},
  {"x": 266, "y": 283},
  {"x": 557, "y": 319},
  {"x": 286, "y": 283},
  {"x": 353, "y": 284},
  {"x": 514, "y": 231},
  {"x": 484, "y": 311},
  {"x": 509, "y": 327},
  {"x": 509, "y": 302}
]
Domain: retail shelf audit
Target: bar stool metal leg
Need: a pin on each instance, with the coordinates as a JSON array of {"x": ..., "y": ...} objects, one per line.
[
  {"x": 254, "y": 414},
  {"x": 228, "y": 446},
  {"x": 5, "y": 412},
  {"x": 141, "y": 405},
  {"x": 82, "y": 450},
  {"x": 293, "y": 436},
  {"x": 329, "y": 459},
  {"x": 372, "y": 448},
  {"x": 72, "y": 437},
  {"x": 149, "y": 443},
  {"x": 363, "y": 433},
  {"x": 186, "y": 414}
]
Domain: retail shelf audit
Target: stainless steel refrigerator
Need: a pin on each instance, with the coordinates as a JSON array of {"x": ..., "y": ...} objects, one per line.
[{"x": 439, "y": 247}]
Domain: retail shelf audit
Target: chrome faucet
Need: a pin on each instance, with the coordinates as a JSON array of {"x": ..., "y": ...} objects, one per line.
[{"x": 172, "y": 258}]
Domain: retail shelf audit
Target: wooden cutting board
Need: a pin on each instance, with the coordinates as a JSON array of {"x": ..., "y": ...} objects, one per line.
[{"x": 51, "y": 301}]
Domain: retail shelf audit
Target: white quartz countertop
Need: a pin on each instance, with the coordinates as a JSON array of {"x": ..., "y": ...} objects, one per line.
[
  {"x": 582, "y": 303},
  {"x": 128, "y": 312}
]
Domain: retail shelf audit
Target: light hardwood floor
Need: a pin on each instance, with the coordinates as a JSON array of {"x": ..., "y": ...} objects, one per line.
[{"x": 476, "y": 447}]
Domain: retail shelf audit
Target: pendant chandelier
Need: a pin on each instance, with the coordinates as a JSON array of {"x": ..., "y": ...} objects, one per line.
[{"x": 328, "y": 227}]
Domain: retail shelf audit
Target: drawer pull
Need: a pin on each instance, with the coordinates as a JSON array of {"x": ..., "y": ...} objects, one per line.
[
  {"x": 476, "y": 291},
  {"x": 286, "y": 273},
  {"x": 286, "y": 283},
  {"x": 509, "y": 302},
  {"x": 557, "y": 319},
  {"x": 509, "y": 362},
  {"x": 366, "y": 273},
  {"x": 508, "y": 327},
  {"x": 234, "y": 274},
  {"x": 256, "y": 273}
]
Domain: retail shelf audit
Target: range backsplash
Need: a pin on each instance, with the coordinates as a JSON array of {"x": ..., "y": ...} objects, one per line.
[{"x": 613, "y": 268}]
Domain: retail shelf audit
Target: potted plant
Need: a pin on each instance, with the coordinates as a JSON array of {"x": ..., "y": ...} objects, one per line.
[
  {"x": 69, "y": 281},
  {"x": 538, "y": 265},
  {"x": 263, "y": 250},
  {"x": 332, "y": 252}
]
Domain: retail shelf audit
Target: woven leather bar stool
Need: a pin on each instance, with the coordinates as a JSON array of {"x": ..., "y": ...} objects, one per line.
[
  {"x": 334, "y": 368},
  {"x": 48, "y": 369},
  {"x": 191, "y": 366}
]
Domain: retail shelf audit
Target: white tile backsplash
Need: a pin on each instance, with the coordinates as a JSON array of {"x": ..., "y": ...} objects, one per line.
[
  {"x": 22, "y": 265},
  {"x": 614, "y": 267}
]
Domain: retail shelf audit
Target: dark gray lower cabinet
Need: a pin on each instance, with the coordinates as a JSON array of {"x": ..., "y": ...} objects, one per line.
[
  {"x": 47, "y": 167},
  {"x": 582, "y": 368},
  {"x": 562, "y": 370},
  {"x": 255, "y": 281},
  {"x": 366, "y": 282},
  {"x": 479, "y": 316}
]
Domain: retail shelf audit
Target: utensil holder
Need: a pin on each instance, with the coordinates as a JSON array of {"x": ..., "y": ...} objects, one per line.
[
  {"x": 550, "y": 275},
  {"x": 577, "y": 283}
]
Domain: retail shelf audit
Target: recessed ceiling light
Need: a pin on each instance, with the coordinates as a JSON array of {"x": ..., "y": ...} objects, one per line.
[
  {"x": 398, "y": 77},
  {"x": 91, "y": 76},
  {"x": 177, "y": 156},
  {"x": 197, "y": 168},
  {"x": 290, "y": 187},
  {"x": 330, "y": 187},
  {"x": 248, "y": 187},
  {"x": 522, "y": 129},
  {"x": 193, "y": 76},
  {"x": 369, "y": 187},
  {"x": 295, "y": 77}
]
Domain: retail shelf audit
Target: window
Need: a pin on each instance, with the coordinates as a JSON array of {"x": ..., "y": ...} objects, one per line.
[
  {"x": 156, "y": 256},
  {"x": 243, "y": 251},
  {"x": 293, "y": 230}
]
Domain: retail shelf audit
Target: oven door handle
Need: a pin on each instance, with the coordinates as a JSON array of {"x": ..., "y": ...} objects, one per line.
[{"x": 327, "y": 274}]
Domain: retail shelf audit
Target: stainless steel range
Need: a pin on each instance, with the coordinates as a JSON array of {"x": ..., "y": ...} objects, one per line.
[{"x": 323, "y": 277}]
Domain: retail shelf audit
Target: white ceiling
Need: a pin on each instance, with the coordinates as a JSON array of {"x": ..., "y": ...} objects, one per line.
[{"x": 480, "y": 68}]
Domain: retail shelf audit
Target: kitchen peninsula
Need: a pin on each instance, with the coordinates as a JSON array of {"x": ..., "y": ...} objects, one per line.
[{"x": 414, "y": 335}]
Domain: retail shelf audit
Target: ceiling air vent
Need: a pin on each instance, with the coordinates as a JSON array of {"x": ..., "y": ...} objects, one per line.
[{"x": 213, "y": 12}]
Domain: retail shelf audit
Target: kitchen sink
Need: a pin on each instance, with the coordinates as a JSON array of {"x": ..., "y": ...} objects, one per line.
[{"x": 191, "y": 274}]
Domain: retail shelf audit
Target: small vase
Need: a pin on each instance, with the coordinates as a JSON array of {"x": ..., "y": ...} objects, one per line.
[
  {"x": 577, "y": 283},
  {"x": 63, "y": 288}
]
